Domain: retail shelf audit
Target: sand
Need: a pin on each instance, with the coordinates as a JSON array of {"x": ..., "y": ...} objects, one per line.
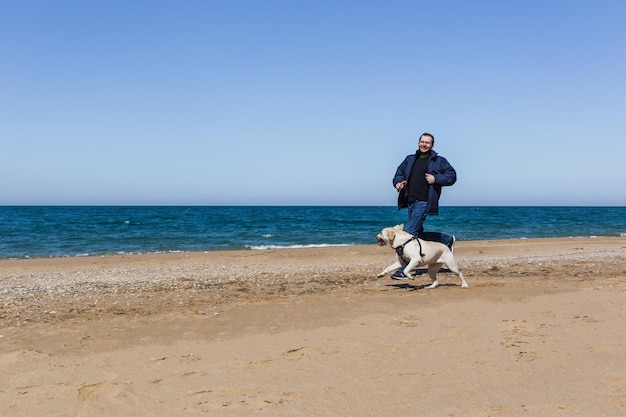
[{"x": 313, "y": 332}]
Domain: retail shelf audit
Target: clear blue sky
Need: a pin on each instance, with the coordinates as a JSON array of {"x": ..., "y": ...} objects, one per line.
[{"x": 310, "y": 102}]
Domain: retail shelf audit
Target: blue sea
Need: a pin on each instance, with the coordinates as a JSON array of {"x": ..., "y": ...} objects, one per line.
[{"x": 37, "y": 231}]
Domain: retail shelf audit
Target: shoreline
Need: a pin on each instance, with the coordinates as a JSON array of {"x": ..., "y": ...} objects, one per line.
[
  {"x": 275, "y": 247},
  {"x": 301, "y": 332}
]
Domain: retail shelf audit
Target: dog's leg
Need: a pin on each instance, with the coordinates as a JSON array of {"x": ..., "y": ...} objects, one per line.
[
  {"x": 432, "y": 273},
  {"x": 391, "y": 268},
  {"x": 452, "y": 266},
  {"x": 463, "y": 283},
  {"x": 413, "y": 263}
]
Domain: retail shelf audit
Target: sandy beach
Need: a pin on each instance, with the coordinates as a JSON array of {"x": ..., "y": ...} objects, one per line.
[{"x": 313, "y": 332}]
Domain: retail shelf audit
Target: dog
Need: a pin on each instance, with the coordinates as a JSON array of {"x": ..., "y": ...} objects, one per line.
[{"x": 412, "y": 252}]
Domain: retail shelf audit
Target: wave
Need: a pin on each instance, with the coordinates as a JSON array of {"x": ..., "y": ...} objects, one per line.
[{"x": 321, "y": 245}]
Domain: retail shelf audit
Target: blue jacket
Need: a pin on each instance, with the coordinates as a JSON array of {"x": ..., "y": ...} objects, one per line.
[{"x": 439, "y": 167}]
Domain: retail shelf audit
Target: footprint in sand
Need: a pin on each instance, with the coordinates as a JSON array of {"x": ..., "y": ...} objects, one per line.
[
  {"x": 526, "y": 356},
  {"x": 517, "y": 336},
  {"x": 101, "y": 390},
  {"x": 264, "y": 362},
  {"x": 301, "y": 352},
  {"x": 193, "y": 374},
  {"x": 409, "y": 321}
]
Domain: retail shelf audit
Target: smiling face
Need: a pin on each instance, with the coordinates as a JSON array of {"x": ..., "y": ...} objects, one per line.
[{"x": 425, "y": 144}]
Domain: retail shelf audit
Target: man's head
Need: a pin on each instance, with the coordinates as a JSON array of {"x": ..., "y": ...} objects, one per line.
[{"x": 426, "y": 142}]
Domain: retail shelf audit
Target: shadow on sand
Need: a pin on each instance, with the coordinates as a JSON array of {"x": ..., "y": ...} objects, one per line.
[{"x": 406, "y": 284}]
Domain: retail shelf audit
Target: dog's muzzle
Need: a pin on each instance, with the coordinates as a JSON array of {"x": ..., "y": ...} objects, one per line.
[{"x": 381, "y": 241}]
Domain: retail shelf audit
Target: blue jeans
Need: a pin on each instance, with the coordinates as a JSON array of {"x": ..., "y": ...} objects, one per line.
[{"x": 417, "y": 216}]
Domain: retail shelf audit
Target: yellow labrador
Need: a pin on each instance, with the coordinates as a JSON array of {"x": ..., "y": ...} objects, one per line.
[{"x": 412, "y": 252}]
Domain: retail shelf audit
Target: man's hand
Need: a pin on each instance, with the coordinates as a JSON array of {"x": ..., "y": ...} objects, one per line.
[{"x": 401, "y": 185}]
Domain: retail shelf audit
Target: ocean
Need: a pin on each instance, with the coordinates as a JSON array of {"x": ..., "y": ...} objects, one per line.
[{"x": 58, "y": 231}]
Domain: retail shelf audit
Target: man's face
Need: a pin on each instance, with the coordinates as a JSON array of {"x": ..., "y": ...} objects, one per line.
[{"x": 425, "y": 144}]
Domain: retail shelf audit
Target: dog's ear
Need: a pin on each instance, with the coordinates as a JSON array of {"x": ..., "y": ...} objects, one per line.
[
  {"x": 391, "y": 235},
  {"x": 399, "y": 226}
]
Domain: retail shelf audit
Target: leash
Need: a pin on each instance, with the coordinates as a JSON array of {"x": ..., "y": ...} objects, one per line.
[{"x": 400, "y": 249}]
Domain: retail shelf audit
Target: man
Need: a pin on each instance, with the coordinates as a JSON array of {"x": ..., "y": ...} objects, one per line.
[{"x": 419, "y": 180}]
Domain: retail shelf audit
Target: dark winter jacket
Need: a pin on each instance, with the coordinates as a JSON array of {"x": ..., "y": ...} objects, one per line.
[{"x": 439, "y": 167}]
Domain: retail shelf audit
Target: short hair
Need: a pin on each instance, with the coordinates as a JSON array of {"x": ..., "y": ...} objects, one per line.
[{"x": 428, "y": 134}]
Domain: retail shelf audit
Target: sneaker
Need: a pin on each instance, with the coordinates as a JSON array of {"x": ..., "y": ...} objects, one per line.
[{"x": 399, "y": 275}]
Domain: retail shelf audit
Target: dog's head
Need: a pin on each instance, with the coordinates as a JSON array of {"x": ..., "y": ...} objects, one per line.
[{"x": 388, "y": 234}]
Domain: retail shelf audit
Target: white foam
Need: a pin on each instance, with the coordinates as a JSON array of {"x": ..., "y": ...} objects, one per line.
[{"x": 323, "y": 245}]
